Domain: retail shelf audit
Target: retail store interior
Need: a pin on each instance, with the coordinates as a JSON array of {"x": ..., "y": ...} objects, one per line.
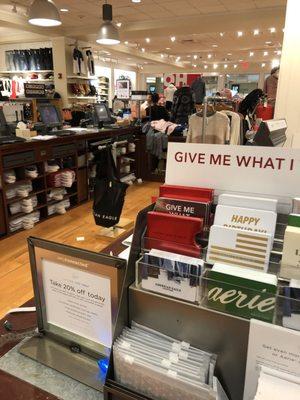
[{"x": 149, "y": 200}]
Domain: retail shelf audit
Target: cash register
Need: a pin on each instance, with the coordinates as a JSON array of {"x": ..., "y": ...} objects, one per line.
[
  {"x": 6, "y": 137},
  {"x": 52, "y": 120},
  {"x": 103, "y": 118}
]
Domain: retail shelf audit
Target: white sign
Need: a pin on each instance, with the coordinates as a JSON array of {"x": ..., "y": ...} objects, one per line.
[
  {"x": 271, "y": 346},
  {"x": 269, "y": 171},
  {"x": 78, "y": 301},
  {"x": 123, "y": 89}
]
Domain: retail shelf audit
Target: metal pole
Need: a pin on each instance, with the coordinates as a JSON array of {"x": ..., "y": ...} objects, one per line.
[{"x": 204, "y": 119}]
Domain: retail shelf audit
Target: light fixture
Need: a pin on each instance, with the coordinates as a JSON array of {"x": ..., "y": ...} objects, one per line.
[
  {"x": 214, "y": 45},
  {"x": 221, "y": 34},
  {"x": 147, "y": 40},
  {"x": 64, "y": 10},
  {"x": 263, "y": 65},
  {"x": 278, "y": 52},
  {"x": 283, "y": 30},
  {"x": 126, "y": 43},
  {"x": 241, "y": 60},
  {"x": 135, "y": 1},
  {"x": 256, "y": 32},
  {"x": 272, "y": 30},
  {"x": 209, "y": 56},
  {"x": 251, "y": 54},
  {"x": 229, "y": 54},
  {"x": 108, "y": 33},
  {"x": 195, "y": 57},
  {"x": 194, "y": 65},
  {"x": 240, "y": 33},
  {"x": 268, "y": 43},
  {"x": 225, "y": 66},
  {"x": 215, "y": 66},
  {"x": 119, "y": 24},
  {"x": 189, "y": 56},
  {"x": 173, "y": 38},
  {"x": 266, "y": 53},
  {"x": 143, "y": 50},
  {"x": 205, "y": 66},
  {"x": 275, "y": 63},
  {"x": 235, "y": 66},
  {"x": 44, "y": 13},
  {"x": 162, "y": 56},
  {"x": 168, "y": 48}
]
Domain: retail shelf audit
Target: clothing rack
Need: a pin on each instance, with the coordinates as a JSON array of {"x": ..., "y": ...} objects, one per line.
[{"x": 214, "y": 100}]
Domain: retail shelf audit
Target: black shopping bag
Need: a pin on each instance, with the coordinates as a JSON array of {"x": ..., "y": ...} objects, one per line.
[{"x": 109, "y": 194}]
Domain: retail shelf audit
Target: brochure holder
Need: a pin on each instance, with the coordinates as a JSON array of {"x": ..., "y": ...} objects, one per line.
[{"x": 77, "y": 294}]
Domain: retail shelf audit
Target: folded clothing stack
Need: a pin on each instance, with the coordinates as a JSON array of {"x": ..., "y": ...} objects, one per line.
[
  {"x": 59, "y": 208},
  {"x": 25, "y": 206},
  {"x": 51, "y": 166},
  {"x": 64, "y": 178},
  {"x": 10, "y": 176},
  {"x": 161, "y": 367},
  {"x": 22, "y": 190},
  {"x": 27, "y": 222},
  {"x": 31, "y": 172},
  {"x": 56, "y": 194}
]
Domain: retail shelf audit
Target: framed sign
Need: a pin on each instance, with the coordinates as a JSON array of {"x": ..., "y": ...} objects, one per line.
[
  {"x": 123, "y": 89},
  {"x": 34, "y": 90},
  {"x": 77, "y": 295}
]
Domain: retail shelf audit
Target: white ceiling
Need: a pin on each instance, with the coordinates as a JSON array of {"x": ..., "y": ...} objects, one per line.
[{"x": 196, "y": 24}]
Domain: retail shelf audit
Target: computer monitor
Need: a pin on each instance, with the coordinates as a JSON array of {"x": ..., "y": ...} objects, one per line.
[
  {"x": 50, "y": 115},
  {"x": 102, "y": 114}
]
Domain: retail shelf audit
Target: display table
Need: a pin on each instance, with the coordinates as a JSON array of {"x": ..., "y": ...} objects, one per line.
[{"x": 12, "y": 388}]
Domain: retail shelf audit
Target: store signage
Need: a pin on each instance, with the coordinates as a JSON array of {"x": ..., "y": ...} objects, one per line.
[
  {"x": 123, "y": 89},
  {"x": 34, "y": 90},
  {"x": 255, "y": 170},
  {"x": 274, "y": 347},
  {"x": 180, "y": 80}
]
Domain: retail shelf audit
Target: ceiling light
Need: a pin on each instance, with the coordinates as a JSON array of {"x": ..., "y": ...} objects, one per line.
[
  {"x": 266, "y": 53},
  {"x": 225, "y": 66},
  {"x": 241, "y": 60},
  {"x": 283, "y": 30},
  {"x": 215, "y": 66},
  {"x": 194, "y": 65},
  {"x": 126, "y": 43},
  {"x": 143, "y": 50},
  {"x": 256, "y": 32},
  {"x": 195, "y": 57},
  {"x": 189, "y": 56},
  {"x": 162, "y": 56},
  {"x": 168, "y": 48},
  {"x": 64, "y": 10},
  {"x": 251, "y": 54},
  {"x": 268, "y": 42},
  {"x": 214, "y": 45},
  {"x": 272, "y": 30},
  {"x": 235, "y": 66},
  {"x": 278, "y": 52},
  {"x": 240, "y": 33},
  {"x": 135, "y": 1},
  {"x": 173, "y": 38},
  {"x": 275, "y": 63},
  {"x": 44, "y": 13},
  {"x": 147, "y": 40},
  {"x": 221, "y": 34},
  {"x": 229, "y": 54},
  {"x": 205, "y": 66},
  {"x": 209, "y": 56},
  {"x": 108, "y": 33},
  {"x": 263, "y": 65},
  {"x": 119, "y": 24}
]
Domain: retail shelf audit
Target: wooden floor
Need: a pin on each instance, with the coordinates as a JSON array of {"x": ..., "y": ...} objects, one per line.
[{"x": 15, "y": 277}]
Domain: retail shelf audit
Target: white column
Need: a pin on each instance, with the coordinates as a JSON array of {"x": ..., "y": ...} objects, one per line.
[
  {"x": 221, "y": 82},
  {"x": 289, "y": 78},
  {"x": 60, "y": 68}
]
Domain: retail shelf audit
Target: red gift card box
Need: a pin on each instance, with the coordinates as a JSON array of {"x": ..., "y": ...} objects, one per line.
[
  {"x": 174, "y": 233},
  {"x": 186, "y": 193}
]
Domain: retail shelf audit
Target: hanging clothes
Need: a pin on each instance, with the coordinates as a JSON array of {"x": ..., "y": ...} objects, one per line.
[
  {"x": 183, "y": 105},
  {"x": 90, "y": 62},
  {"x": 169, "y": 95},
  {"x": 78, "y": 62},
  {"x": 217, "y": 129},
  {"x": 235, "y": 127},
  {"x": 198, "y": 90}
]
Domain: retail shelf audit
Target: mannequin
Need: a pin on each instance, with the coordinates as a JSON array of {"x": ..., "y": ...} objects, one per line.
[
  {"x": 271, "y": 83},
  {"x": 198, "y": 90},
  {"x": 169, "y": 94}
]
